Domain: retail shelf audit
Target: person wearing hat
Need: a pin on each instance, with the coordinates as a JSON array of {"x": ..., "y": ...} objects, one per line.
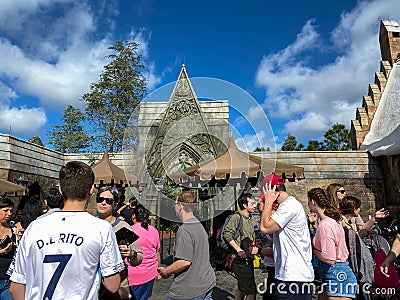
[{"x": 291, "y": 240}]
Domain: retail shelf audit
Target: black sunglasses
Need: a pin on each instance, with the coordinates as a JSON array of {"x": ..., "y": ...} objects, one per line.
[
  {"x": 341, "y": 191},
  {"x": 109, "y": 201}
]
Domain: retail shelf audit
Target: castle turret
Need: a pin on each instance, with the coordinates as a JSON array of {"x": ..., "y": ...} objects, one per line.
[{"x": 389, "y": 40}]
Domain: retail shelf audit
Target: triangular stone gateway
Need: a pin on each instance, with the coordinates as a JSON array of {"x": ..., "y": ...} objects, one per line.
[{"x": 183, "y": 138}]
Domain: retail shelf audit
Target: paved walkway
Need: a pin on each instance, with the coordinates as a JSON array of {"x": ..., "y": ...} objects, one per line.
[
  {"x": 225, "y": 289},
  {"x": 226, "y": 283}
]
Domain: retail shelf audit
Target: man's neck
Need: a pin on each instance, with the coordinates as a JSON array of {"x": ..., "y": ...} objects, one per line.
[
  {"x": 245, "y": 212},
  {"x": 282, "y": 197},
  {"x": 186, "y": 216},
  {"x": 74, "y": 205}
]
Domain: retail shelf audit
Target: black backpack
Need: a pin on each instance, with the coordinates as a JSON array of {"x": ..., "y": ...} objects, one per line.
[{"x": 220, "y": 240}]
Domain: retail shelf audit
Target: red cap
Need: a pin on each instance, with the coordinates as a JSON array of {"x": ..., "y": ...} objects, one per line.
[{"x": 274, "y": 179}]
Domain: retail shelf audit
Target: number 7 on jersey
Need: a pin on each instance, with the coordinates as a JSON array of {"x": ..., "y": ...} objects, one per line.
[{"x": 63, "y": 260}]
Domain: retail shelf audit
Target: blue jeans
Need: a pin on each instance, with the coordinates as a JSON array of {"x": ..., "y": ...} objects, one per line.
[
  {"x": 142, "y": 291},
  {"x": 5, "y": 290},
  {"x": 206, "y": 296}
]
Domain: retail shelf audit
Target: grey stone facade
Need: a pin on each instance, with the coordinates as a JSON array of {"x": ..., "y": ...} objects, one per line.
[{"x": 360, "y": 173}]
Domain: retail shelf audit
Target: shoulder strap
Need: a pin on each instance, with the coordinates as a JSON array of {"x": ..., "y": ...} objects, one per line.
[
  {"x": 358, "y": 251},
  {"x": 116, "y": 222},
  {"x": 239, "y": 228}
]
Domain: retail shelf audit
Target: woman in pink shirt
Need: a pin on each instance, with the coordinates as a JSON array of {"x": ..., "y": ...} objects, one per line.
[
  {"x": 329, "y": 245},
  {"x": 141, "y": 278}
]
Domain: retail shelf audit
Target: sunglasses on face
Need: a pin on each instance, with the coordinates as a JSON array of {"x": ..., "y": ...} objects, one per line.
[
  {"x": 341, "y": 191},
  {"x": 109, "y": 201}
]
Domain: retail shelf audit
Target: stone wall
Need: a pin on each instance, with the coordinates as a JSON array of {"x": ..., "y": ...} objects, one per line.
[
  {"x": 360, "y": 173},
  {"x": 37, "y": 163}
]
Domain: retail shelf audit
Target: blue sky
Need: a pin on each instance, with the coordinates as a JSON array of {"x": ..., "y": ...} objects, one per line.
[{"x": 306, "y": 64}]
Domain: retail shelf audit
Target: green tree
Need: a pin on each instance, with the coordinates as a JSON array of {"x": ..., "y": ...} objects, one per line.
[
  {"x": 112, "y": 100},
  {"x": 70, "y": 137},
  {"x": 337, "y": 138},
  {"x": 314, "y": 145},
  {"x": 261, "y": 149},
  {"x": 290, "y": 143}
]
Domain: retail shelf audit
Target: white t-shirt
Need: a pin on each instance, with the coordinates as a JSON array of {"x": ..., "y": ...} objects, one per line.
[
  {"x": 292, "y": 243},
  {"x": 60, "y": 255}
]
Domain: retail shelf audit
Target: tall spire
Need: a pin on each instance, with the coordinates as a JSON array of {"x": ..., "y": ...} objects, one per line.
[{"x": 182, "y": 129}]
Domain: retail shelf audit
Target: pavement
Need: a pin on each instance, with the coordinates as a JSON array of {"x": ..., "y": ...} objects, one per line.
[
  {"x": 226, "y": 283},
  {"x": 224, "y": 290}
]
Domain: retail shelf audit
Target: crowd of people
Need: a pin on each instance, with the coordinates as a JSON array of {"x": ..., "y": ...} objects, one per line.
[
  {"x": 57, "y": 250},
  {"x": 304, "y": 254}
]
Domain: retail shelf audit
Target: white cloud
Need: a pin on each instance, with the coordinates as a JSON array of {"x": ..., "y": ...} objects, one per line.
[
  {"x": 22, "y": 121},
  {"x": 248, "y": 142},
  {"x": 6, "y": 94},
  {"x": 54, "y": 49},
  {"x": 312, "y": 99},
  {"x": 140, "y": 37}
]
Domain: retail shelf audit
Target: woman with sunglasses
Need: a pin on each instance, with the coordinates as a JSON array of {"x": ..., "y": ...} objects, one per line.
[
  {"x": 335, "y": 193},
  {"x": 107, "y": 200}
]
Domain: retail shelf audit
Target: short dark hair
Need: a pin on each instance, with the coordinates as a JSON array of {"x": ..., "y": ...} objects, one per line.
[
  {"x": 111, "y": 189},
  {"x": 347, "y": 207},
  {"x": 76, "y": 180},
  {"x": 355, "y": 200},
  {"x": 244, "y": 199},
  {"x": 187, "y": 200},
  {"x": 53, "y": 198},
  {"x": 6, "y": 202},
  {"x": 133, "y": 201}
]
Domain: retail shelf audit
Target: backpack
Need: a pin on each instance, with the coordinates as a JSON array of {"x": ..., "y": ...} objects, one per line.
[
  {"x": 220, "y": 240},
  {"x": 360, "y": 258}
]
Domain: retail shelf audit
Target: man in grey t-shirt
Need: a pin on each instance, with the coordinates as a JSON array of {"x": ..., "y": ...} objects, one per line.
[{"x": 194, "y": 278}]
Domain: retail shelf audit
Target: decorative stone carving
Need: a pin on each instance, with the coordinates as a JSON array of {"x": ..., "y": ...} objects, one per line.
[{"x": 182, "y": 131}]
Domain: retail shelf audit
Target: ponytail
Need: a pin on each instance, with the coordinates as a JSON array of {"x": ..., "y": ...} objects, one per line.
[{"x": 142, "y": 215}]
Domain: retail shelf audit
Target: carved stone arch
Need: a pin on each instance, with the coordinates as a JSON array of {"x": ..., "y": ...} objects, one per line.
[{"x": 170, "y": 162}]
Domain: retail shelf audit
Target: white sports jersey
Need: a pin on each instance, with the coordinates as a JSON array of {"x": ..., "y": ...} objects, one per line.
[{"x": 60, "y": 255}]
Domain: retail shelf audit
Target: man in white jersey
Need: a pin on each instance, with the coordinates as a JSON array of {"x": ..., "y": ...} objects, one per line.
[
  {"x": 60, "y": 255},
  {"x": 291, "y": 241}
]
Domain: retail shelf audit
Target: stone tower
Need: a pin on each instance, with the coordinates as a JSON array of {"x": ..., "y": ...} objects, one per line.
[
  {"x": 174, "y": 135},
  {"x": 183, "y": 137},
  {"x": 389, "y": 40}
]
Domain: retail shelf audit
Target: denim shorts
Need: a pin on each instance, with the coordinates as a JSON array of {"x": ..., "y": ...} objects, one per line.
[{"x": 338, "y": 280}]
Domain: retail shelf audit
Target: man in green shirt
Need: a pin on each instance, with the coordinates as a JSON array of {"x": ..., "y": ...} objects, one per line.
[{"x": 243, "y": 247}]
